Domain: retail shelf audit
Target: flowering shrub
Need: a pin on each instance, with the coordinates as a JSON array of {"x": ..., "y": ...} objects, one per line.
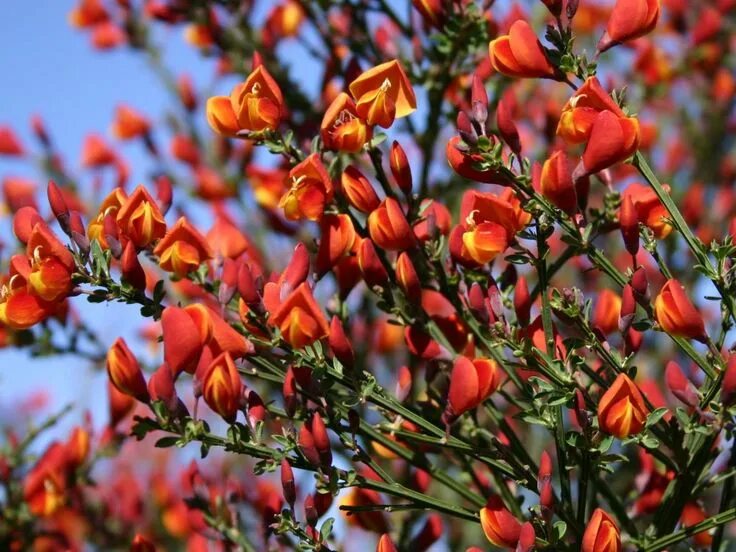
[{"x": 463, "y": 310}]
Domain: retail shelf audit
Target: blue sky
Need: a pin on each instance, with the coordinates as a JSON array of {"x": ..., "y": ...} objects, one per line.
[{"x": 50, "y": 69}]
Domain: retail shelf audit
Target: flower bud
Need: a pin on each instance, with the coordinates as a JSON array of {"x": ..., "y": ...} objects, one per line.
[
  {"x": 471, "y": 382},
  {"x": 601, "y": 534},
  {"x": 388, "y": 227},
  {"x": 131, "y": 268},
  {"x": 371, "y": 266},
  {"x": 520, "y": 54},
  {"x": 607, "y": 312},
  {"x": 339, "y": 343},
  {"x": 629, "y": 222},
  {"x": 679, "y": 385},
  {"x": 407, "y": 278},
  {"x": 358, "y": 191},
  {"x": 400, "y": 168},
  {"x": 222, "y": 388},
  {"x": 125, "y": 372},
  {"x": 499, "y": 525},
  {"x": 479, "y": 102},
  {"x": 621, "y": 409},
  {"x": 522, "y": 302},
  {"x": 629, "y": 19},
  {"x": 676, "y": 314},
  {"x": 58, "y": 206},
  {"x": 287, "y": 483}
]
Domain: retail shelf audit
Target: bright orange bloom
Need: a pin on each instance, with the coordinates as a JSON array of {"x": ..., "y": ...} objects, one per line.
[
  {"x": 109, "y": 206},
  {"x": 311, "y": 189},
  {"x": 612, "y": 140},
  {"x": 621, "y": 409},
  {"x": 580, "y": 112},
  {"x": 385, "y": 544},
  {"x": 358, "y": 190},
  {"x": 125, "y": 372},
  {"x": 483, "y": 242},
  {"x": 129, "y": 123},
  {"x": 338, "y": 240},
  {"x": 19, "y": 307},
  {"x": 182, "y": 249},
  {"x": 383, "y": 93},
  {"x": 499, "y": 525},
  {"x": 268, "y": 185},
  {"x": 300, "y": 318},
  {"x": 649, "y": 209},
  {"x": 140, "y": 219},
  {"x": 407, "y": 278},
  {"x": 255, "y": 105},
  {"x": 606, "y": 312},
  {"x": 388, "y": 227},
  {"x": 375, "y": 520},
  {"x": 342, "y": 129},
  {"x": 520, "y": 54},
  {"x": 629, "y": 19},
  {"x": 471, "y": 382},
  {"x": 222, "y": 388},
  {"x": 676, "y": 314},
  {"x": 52, "y": 264},
  {"x": 601, "y": 534}
]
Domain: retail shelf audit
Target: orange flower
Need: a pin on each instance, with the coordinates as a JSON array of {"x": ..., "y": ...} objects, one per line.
[
  {"x": 601, "y": 534},
  {"x": 607, "y": 311},
  {"x": 471, "y": 382},
  {"x": 629, "y": 19},
  {"x": 358, "y": 191},
  {"x": 222, "y": 388},
  {"x": 481, "y": 243},
  {"x": 407, "y": 278},
  {"x": 311, "y": 189},
  {"x": 19, "y": 308},
  {"x": 338, "y": 239},
  {"x": 129, "y": 123},
  {"x": 342, "y": 129},
  {"x": 499, "y": 525},
  {"x": 300, "y": 318},
  {"x": 520, "y": 54},
  {"x": 580, "y": 112},
  {"x": 388, "y": 227},
  {"x": 649, "y": 209},
  {"x": 140, "y": 219},
  {"x": 125, "y": 372},
  {"x": 621, "y": 409},
  {"x": 51, "y": 265},
  {"x": 676, "y": 314},
  {"x": 612, "y": 139},
  {"x": 255, "y": 105},
  {"x": 109, "y": 206},
  {"x": 383, "y": 94},
  {"x": 182, "y": 249}
]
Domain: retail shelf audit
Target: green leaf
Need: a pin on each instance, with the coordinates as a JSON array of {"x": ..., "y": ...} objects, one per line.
[{"x": 655, "y": 416}]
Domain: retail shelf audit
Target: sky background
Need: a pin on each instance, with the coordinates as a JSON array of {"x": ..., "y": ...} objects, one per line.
[{"x": 50, "y": 69}]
